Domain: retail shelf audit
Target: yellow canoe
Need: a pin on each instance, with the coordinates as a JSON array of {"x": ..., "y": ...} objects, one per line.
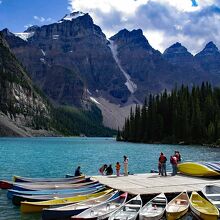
[
  {"x": 177, "y": 207},
  {"x": 196, "y": 169},
  {"x": 29, "y": 207},
  {"x": 202, "y": 207}
]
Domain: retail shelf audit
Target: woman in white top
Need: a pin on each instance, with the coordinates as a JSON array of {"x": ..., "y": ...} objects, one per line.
[{"x": 126, "y": 165}]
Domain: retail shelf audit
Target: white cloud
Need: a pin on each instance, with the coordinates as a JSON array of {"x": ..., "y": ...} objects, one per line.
[
  {"x": 28, "y": 25},
  {"x": 42, "y": 19},
  {"x": 164, "y": 22}
]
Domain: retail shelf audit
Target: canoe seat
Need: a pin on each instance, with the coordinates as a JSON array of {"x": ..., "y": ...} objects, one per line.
[
  {"x": 181, "y": 202},
  {"x": 132, "y": 205},
  {"x": 216, "y": 202},
  {"x": 213, "y": 194}
]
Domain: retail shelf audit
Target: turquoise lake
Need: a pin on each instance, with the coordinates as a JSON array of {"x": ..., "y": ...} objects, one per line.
[{"x": 54, "y": 157}]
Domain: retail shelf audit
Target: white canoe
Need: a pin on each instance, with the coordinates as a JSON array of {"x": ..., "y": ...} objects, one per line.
[
  {"x": 154, "y": 209},
  {"x": 178, "y": 206},
  {"x": 103, "y": 210},
  {"x": 212, "y": 193},
  {"x": 74, "y": 209},
  {"x": 129, "y": 211}
]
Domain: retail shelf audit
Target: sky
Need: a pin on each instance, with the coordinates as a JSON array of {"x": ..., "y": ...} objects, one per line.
[{"x": 193, "y": 23}]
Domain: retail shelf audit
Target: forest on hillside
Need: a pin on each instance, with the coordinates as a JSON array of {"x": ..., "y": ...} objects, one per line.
[{"x": 185, "y": 115}]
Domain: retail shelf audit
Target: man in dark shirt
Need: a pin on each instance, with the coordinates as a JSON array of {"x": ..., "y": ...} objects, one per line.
[{"x": 77, "y": 171}]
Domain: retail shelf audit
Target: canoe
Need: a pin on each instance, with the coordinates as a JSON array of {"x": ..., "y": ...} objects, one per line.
[
  {"x": 212, "y": 193},
  {"x": 196, "y": 169},
  {"x": 213, "y": 165},
  {"x": 29, "y": 207},
  {"x": 103, "y": 210},
  {"x": 4, "y": 184},
  {"x": 28, "y": 179},
  {"x": 202, "y": 207},
  {"x": 154, "y": 209},
  {"x": 129, "y": 210},
  {"x": 38, "y": 186},
  {"x": 178, "y": 206},
  {"x": 17, "y": 199},
  {"x": 12, "y": 192},
  {"x": 69, "y": 210}
]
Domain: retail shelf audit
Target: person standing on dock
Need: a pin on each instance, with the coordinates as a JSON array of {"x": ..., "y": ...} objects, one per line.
[
  {"x": 126, "y": 165},
  {"x": 118, "y": 166},
  {"x": 178, "y": 156},
  {"x": 174, "y": 161},
  {"x": 162, "y": 161}
]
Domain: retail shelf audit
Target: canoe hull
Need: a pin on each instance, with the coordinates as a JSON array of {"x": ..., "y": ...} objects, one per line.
[
  {"x": 65, "y": 212},
  {"x": 5, "y": 184},
  {"x": 203, "y": 208},
  {"x": 51, "y": 215},
  {"x": 39, "y": 186},
  {"x": 154, "y": 209},
  {"x": 196, "y": 169},
  {"x": 202, "y": 215},
  {"x": 30, "y": 207},
  {"x": 174, "y": 216},
  {"x": 17, "y": 199},
  {"x": 27, "y": 179}
]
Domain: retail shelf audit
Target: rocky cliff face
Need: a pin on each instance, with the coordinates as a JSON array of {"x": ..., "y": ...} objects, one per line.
[
  {"x": 204, "y": 66},
  {"x": 209, "y": 59},
  {"x": 73, "y": 55},
  {"x": 19, "y": 100},
  {"x": 146, "y": 66}
]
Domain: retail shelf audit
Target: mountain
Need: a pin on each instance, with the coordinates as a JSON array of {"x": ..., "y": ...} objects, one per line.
[
  {"x": 209, "y": 59},
  {"x": 179, "y": 57},
  {"x": 78, "y": 49},
  {"x": 23, "y": 110},
  {"x": 146, "y": 67},
  {"x": 76, "y": 66}
]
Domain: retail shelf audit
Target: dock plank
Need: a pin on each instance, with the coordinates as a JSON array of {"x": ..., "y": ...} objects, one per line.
[{"x": 152, "y": 183}]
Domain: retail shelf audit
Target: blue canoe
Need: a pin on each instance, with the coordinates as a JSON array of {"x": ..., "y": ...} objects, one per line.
[
  {"x": 46, "y": 179},
  {"x": 51, "y": 185},
  {"x": 11, "y": 192},
  {"x": 212, "y": 165},
  {"x": 17, "y": 199},
  {"x": 65, "y": 212}
]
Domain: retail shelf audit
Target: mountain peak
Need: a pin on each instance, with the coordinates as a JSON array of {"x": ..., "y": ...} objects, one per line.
[
  {"x": 32, "y": 28},
  {"x": 134, "y": 37},
  {"x": 210, "y": 49},
  {"x": 178, "y": 49},
  {"x": 211, "y": 46},
  {"x": 72, "y": 16}
]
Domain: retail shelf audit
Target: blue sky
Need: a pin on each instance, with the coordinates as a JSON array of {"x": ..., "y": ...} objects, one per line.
[
  {"x": 164, "y": 22},
  {"x": 16, "y": 15}
]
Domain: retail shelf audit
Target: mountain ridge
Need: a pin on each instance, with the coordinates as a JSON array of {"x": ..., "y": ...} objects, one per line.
[{"x": 121, "y": 70}]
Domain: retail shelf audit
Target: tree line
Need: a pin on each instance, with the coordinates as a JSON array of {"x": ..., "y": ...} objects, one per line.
[{"x": 187, "y": 115}]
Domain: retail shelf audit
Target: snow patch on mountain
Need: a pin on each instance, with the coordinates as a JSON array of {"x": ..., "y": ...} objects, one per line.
[
  {"x": 71, "y": 16},
  {"x": 94, "y": 100},
  {"x": 43, "y": 52},
  {"x": 132, "y": 87},
  {"x": 24, "y": 36}
]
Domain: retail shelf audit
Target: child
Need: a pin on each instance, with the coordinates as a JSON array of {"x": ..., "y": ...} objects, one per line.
[
  {"x": 159, "y": 168},
  {"x": 102, "y": 169},
  {"x": 118, "y": 166}
]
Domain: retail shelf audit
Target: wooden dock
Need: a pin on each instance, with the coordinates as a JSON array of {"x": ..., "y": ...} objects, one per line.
[{"x": 152, "y": 183}]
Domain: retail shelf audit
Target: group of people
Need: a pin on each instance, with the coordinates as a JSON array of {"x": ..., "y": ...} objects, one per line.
[
  {"x": 108, "y": 170},
  {"x": 174, "y": 160}
]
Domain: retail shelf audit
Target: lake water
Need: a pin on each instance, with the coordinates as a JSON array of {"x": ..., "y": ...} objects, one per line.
[{"x": 54, "y": 157}]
